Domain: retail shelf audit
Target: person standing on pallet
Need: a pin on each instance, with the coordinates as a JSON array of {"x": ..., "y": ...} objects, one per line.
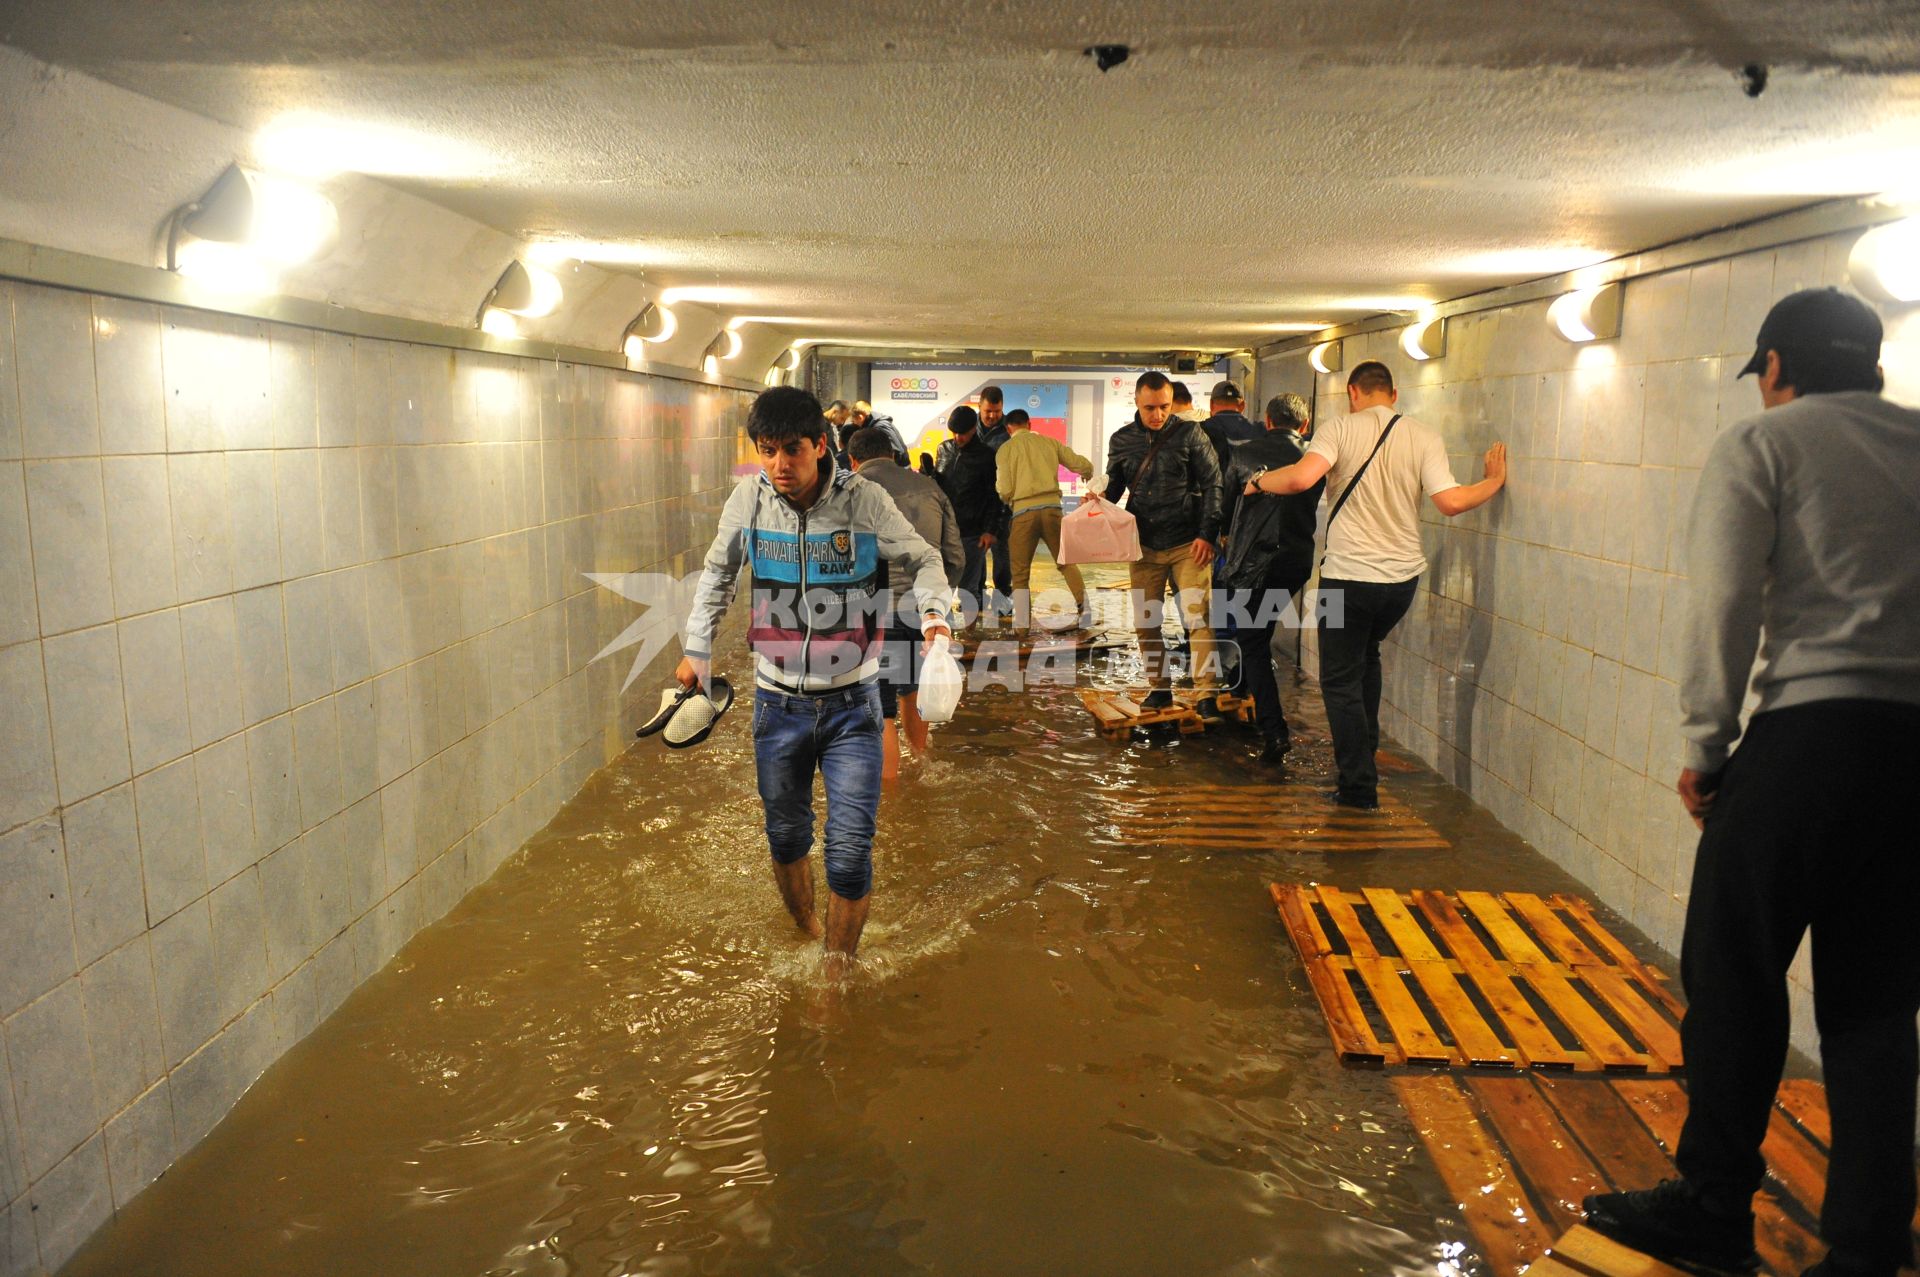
[
  {"x": 1267, "y": 560},
  {"x": 1802, "y": 532},
  {"x": 1166, "y": 470},
  {"x": 815, "y": 537},
  {"x": 1028, "y": 469},
  {"x": 1376, "y": 462}
]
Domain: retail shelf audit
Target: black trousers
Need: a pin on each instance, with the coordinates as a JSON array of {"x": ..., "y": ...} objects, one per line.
[
  {"x": 1256, "y": 663},
  {"x": 1811, "y": 829},
  {"x": 1350, "y": 675}
]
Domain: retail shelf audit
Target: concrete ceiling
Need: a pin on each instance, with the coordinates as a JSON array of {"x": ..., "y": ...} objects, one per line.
[{"x": 958, "y": 174}]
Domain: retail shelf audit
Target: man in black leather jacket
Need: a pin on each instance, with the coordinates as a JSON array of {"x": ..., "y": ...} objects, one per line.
[
  {"x": 1167, "y": 471},
  {"x": 970, "y": 481},
  {"x": 1266, "y": 561}
]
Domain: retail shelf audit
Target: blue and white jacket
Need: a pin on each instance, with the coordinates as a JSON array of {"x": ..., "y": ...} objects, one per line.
[{"x": 820, "y": 609}]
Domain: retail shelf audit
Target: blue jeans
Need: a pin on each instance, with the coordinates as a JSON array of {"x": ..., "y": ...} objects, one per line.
[{"x": 838, "y": 733}]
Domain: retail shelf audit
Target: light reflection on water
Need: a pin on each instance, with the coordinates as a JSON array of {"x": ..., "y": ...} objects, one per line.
[{"x": 1062, "y": 1052}]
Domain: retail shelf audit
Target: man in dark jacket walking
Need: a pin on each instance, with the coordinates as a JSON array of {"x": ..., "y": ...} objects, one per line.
[
  {"x": 862, "y": 415},
  {"x": 993, "y": 433},
  {"x": 1266, "y": 562},
  {"x": 1229, "y": 412},
  {"x": 970, "y": 482},
  {"x": 1171, "y": 479}
]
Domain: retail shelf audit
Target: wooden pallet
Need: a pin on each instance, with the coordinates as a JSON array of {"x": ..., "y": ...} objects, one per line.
[
  {"x": 1237, "y": 708},
  {"x": 1291, "y": 816},
  {"x": 1509, "y": 981},
  {"x": 1116, "y": 714},
  {"x": 1520, "y": 1152}
]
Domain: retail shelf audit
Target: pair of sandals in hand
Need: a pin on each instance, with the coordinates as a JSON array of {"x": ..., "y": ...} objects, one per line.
[{"x": 687, "y": 715}]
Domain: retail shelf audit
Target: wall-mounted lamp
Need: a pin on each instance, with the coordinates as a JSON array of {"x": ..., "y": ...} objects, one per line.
[
  {"x": 651, "y": 326},
  {"x": 1588, "y": 315},
  {"x": 521, "y": 290},
  {"x": 247, "y": 226},
  {"x": 1326, "y": 357},
  {"x": 791, "y": 361},
  {"x": 1885, "y": 262},
  {"x": 1425, "y": 340},
  {"x": 725, "y": 345}
]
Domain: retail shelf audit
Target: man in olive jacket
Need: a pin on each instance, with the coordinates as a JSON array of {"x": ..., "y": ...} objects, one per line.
[{"x": 1167, "y": 471}]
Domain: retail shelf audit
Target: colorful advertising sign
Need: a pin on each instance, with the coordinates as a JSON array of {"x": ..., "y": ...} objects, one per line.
[{"x": 1081, "y": 407}]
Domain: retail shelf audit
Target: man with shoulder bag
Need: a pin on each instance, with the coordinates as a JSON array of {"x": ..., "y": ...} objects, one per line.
[{"x": 1377, "y": 463}]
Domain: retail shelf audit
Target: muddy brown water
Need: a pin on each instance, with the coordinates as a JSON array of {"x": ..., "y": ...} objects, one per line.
[{"x": 1064, "y": 1051}]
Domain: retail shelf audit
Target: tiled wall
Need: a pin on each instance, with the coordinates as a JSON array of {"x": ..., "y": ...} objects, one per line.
[
  {"x": 295, "y": 648},
  {"x": 1537, "y": 668}
]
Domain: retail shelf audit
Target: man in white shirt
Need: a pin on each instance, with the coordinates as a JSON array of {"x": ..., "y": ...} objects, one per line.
[{"x": 1377, "y": 463}]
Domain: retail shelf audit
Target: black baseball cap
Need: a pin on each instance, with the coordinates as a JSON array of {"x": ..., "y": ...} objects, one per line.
[
  {"x": 1819, "y": 328},
  {"x": 1226, "y": 392}
]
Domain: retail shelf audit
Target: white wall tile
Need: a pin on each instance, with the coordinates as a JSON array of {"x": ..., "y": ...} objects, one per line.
[
  {"x": 226, "y": 808},
  {"x": 167, "y": 805},
  {"x": 53, "y": 343},
  {"x": 239, "y": 943},
  {"x": 140, "y": 1144},
  {"x": 255, "y": 520},
  {"x": 241, "y": 397},
  {"x": 347, "y": 615},
  {"x": 12, "y": 447},
  {"x": 190, "y": 358},
  {"x": 202, "y": 535},
  {"x": 296, "y": 478},
  {"x": 19, "y": 607},
  {"x": 184, "y": 982},
  {"x": 103, "y": 872},
  {"x": 261, "y": 641},
  {"x": 276, "y": 796},
  {"x": 333, "y": 381},
  {"x": 139, "y": 533},
  {"x": 208, "y": 634},
  {"x": 67, "y": 513},
  {"x": 283, "y": 888},
  {"x": 340, "y": 506},
  {"x": 86, "y": 705},
  {"x": 52, "y": 1078},
  {"x": 26, "y": 738},
  {"x": 316, "y": 760},
  {"x": 293, "y": 399},
  {"x": 36, "y": 920},
  {"x": 154, "y": 674},
  {"x": 123, "y": 1024},
  {"x": 309, "y": 638},
  {"x": 127, "y": 376},
  {"x": 71, "y": 1202}
]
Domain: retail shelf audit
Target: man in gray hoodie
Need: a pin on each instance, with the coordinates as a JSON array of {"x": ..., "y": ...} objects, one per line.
[{"x": 1802, "y": 550}]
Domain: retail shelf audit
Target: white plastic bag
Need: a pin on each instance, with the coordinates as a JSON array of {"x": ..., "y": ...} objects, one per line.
[
  {"x": 940, "y": 682},
  {"x": 1099, "y": 532}
]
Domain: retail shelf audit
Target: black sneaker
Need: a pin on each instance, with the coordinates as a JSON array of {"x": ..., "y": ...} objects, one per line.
[
  {"x": 1159, "y": 698},
  {"x": 1366, "y": 802},
  {"x": 1274, "y": 753},
  {"x": 1209, "y": 710},
  {"x": 1668, "y": 1223}
]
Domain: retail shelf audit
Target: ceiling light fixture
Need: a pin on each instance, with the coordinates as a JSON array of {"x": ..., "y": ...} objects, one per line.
[
  {"x": 1425, "y": 340},
  {"x": 726, "y": 344},
  {"x": 1326, "y": 357},
  {"x": 520, "y": 290},
  {"x": 246, "y": 226},
  {"x": 1587, "y": 315},
  {"x": 651, "y": 326},
  {"x": 1885, "y": 262}
]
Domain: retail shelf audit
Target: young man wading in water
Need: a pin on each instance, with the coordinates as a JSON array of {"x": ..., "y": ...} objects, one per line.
[{"x": 815, "y": 539}]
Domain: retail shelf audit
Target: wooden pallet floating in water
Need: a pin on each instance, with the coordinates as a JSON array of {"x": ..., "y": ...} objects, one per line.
[
  {"x": 1116, "y": 714},
  {"x": 1510, "y": 981},
  {"x": 1288, "y": 816},
  {"x": 1520, "y": 1152}
]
